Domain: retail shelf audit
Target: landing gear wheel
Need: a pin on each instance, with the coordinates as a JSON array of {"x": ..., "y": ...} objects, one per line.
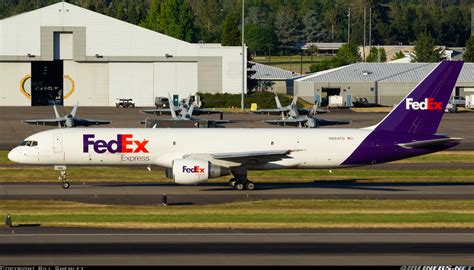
[
  {"x": 250, "y": 186},
  {"x": 65, "y": 185},
  {"x": 63, "y": 177},
  {"x": 239, "y": 186},
  {"x": 232, "y": 182}
]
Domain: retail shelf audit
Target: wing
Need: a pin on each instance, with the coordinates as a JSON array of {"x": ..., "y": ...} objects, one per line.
[
  {"x": 45, "y": 122},
  {"x": 206, "y": 111},
  {"x": 287, "y": 122},
  {"x": 430, "y": 143},
  {"x": 239, "y": 158},
  {"x": 221, "y": 121},
  {"x": 91, "y": 122},
  {"x": 271, "y": 111},
  {"x": 157, "y": 111},
  {"x": 327, "y": 122}
]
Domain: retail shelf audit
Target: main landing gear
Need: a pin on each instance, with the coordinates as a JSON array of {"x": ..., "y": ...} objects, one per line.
[
  {"x": 240, "y": 180},
  {"x": 243, "y": 184},
  {"x": 63, "y": 176}
]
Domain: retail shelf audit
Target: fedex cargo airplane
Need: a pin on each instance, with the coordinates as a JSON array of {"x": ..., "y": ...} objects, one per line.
[{"x": 192, "y": 156}]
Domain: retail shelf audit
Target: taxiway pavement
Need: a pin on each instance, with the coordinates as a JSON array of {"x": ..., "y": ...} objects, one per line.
[
  {"x": 59, "y": 246},
  {"x": 214, "y": 193}
]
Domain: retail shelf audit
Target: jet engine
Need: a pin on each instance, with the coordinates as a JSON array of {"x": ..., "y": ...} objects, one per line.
[{"x": 194, "y": 171}]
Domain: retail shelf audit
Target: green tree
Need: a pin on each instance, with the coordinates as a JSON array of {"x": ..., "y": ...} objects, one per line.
[
  {"x": 313, "y": 27},
  {"x": 469, "y": 53},
  {"x": 177, "y": 20},
  {"x": 173, "y": 18},
  {"x": 327, "y": 64},
  {"x": 382, "y": 55},
  {"x": 376, "y": 55},
  {"x": 209, "y": 17},
  {"x": 120, "y": 12},
  {"x": 398, "y": 55},
  {"x": 251, "y": 81},
  {"x": 373, "y": 55},
  {"x": 287, "y": 29},
  {"x": 230, "y": 31},
  {"x": 259, "y": 38},
  {"x": 348, "y": 53},
  {"x": 152, "y": 19},
  {"x": 425, "y": 49}
]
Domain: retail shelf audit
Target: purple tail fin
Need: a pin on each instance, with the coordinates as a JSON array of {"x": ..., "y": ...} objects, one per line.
[{"x": 421, "y": 110}]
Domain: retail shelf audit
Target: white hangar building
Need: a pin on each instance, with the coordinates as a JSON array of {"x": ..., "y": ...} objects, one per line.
[
  {"x": 381, "y": 83},
  {"x": 63, "y": 54}
]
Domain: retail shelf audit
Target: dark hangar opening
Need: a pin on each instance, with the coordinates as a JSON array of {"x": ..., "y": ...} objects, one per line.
[{"x": 47, "y": 83}]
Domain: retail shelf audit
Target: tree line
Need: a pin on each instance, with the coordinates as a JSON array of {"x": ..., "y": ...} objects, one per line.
[{"x": 277, "y": 26}]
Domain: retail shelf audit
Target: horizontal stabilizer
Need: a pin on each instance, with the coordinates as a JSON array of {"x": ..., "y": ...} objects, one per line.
[
  {"x": 46, "y": 122},
  {"x": 429, "y": 143}
]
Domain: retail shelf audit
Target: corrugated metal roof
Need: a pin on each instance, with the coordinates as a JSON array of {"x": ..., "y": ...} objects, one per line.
[
  {"x": 264, "y": 72},
  {"x": 389, "y": 72}
]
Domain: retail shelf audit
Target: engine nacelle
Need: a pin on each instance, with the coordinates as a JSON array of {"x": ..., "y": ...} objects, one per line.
[{"x": 194, "y": 171}]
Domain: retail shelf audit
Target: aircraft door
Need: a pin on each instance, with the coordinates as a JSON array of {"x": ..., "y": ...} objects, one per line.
[{"x": 58, "y": 143}]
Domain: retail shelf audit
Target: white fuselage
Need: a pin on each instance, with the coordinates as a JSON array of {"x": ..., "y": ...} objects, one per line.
[{"x": 320, "y": 148}]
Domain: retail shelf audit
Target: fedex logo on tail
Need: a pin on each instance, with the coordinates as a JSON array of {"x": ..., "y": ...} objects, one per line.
[
  {"x": 429, "y": 104},
  {"x": 124, "y": 144},
  {"x": 195, "y": 169}
]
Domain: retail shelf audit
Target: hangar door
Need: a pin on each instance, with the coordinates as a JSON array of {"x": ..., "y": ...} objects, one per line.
[
  {"x": 131, "y": 80},
  {"x": 175, "y": 78}
]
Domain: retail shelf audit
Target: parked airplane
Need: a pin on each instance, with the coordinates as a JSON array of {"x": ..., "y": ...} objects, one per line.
[
  {"x": 292, "y": 106},
  {"x": 186, "y": 113},
  {"x": 293, "y": 118},
  {"x": 192, "y": 156},
  {"x": 69, "y": 120},
  {"x": 184, "y": 106}
]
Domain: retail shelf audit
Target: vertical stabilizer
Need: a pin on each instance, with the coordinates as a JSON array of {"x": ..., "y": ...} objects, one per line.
[
  {"x": 277, "y": 100},
  {"x": 422, "y": 109}
]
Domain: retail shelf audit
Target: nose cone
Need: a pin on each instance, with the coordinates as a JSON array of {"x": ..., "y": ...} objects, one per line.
[{"x": 13, "y": 155}]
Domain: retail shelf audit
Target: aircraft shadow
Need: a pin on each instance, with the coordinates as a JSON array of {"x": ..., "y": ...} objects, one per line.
[
  {"x": 349, "y": 184},
  {"x": 329, "y": 184}
]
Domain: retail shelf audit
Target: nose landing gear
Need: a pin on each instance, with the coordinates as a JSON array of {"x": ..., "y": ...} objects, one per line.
[{"x": 63, "y": 176}]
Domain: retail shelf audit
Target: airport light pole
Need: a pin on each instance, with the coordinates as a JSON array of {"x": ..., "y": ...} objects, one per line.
[
  {"x": 244, "y": 66},
  {"x": 349, "y": 26}
]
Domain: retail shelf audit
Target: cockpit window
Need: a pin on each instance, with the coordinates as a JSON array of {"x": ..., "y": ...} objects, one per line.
[{"x": 29, "y": 143}]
